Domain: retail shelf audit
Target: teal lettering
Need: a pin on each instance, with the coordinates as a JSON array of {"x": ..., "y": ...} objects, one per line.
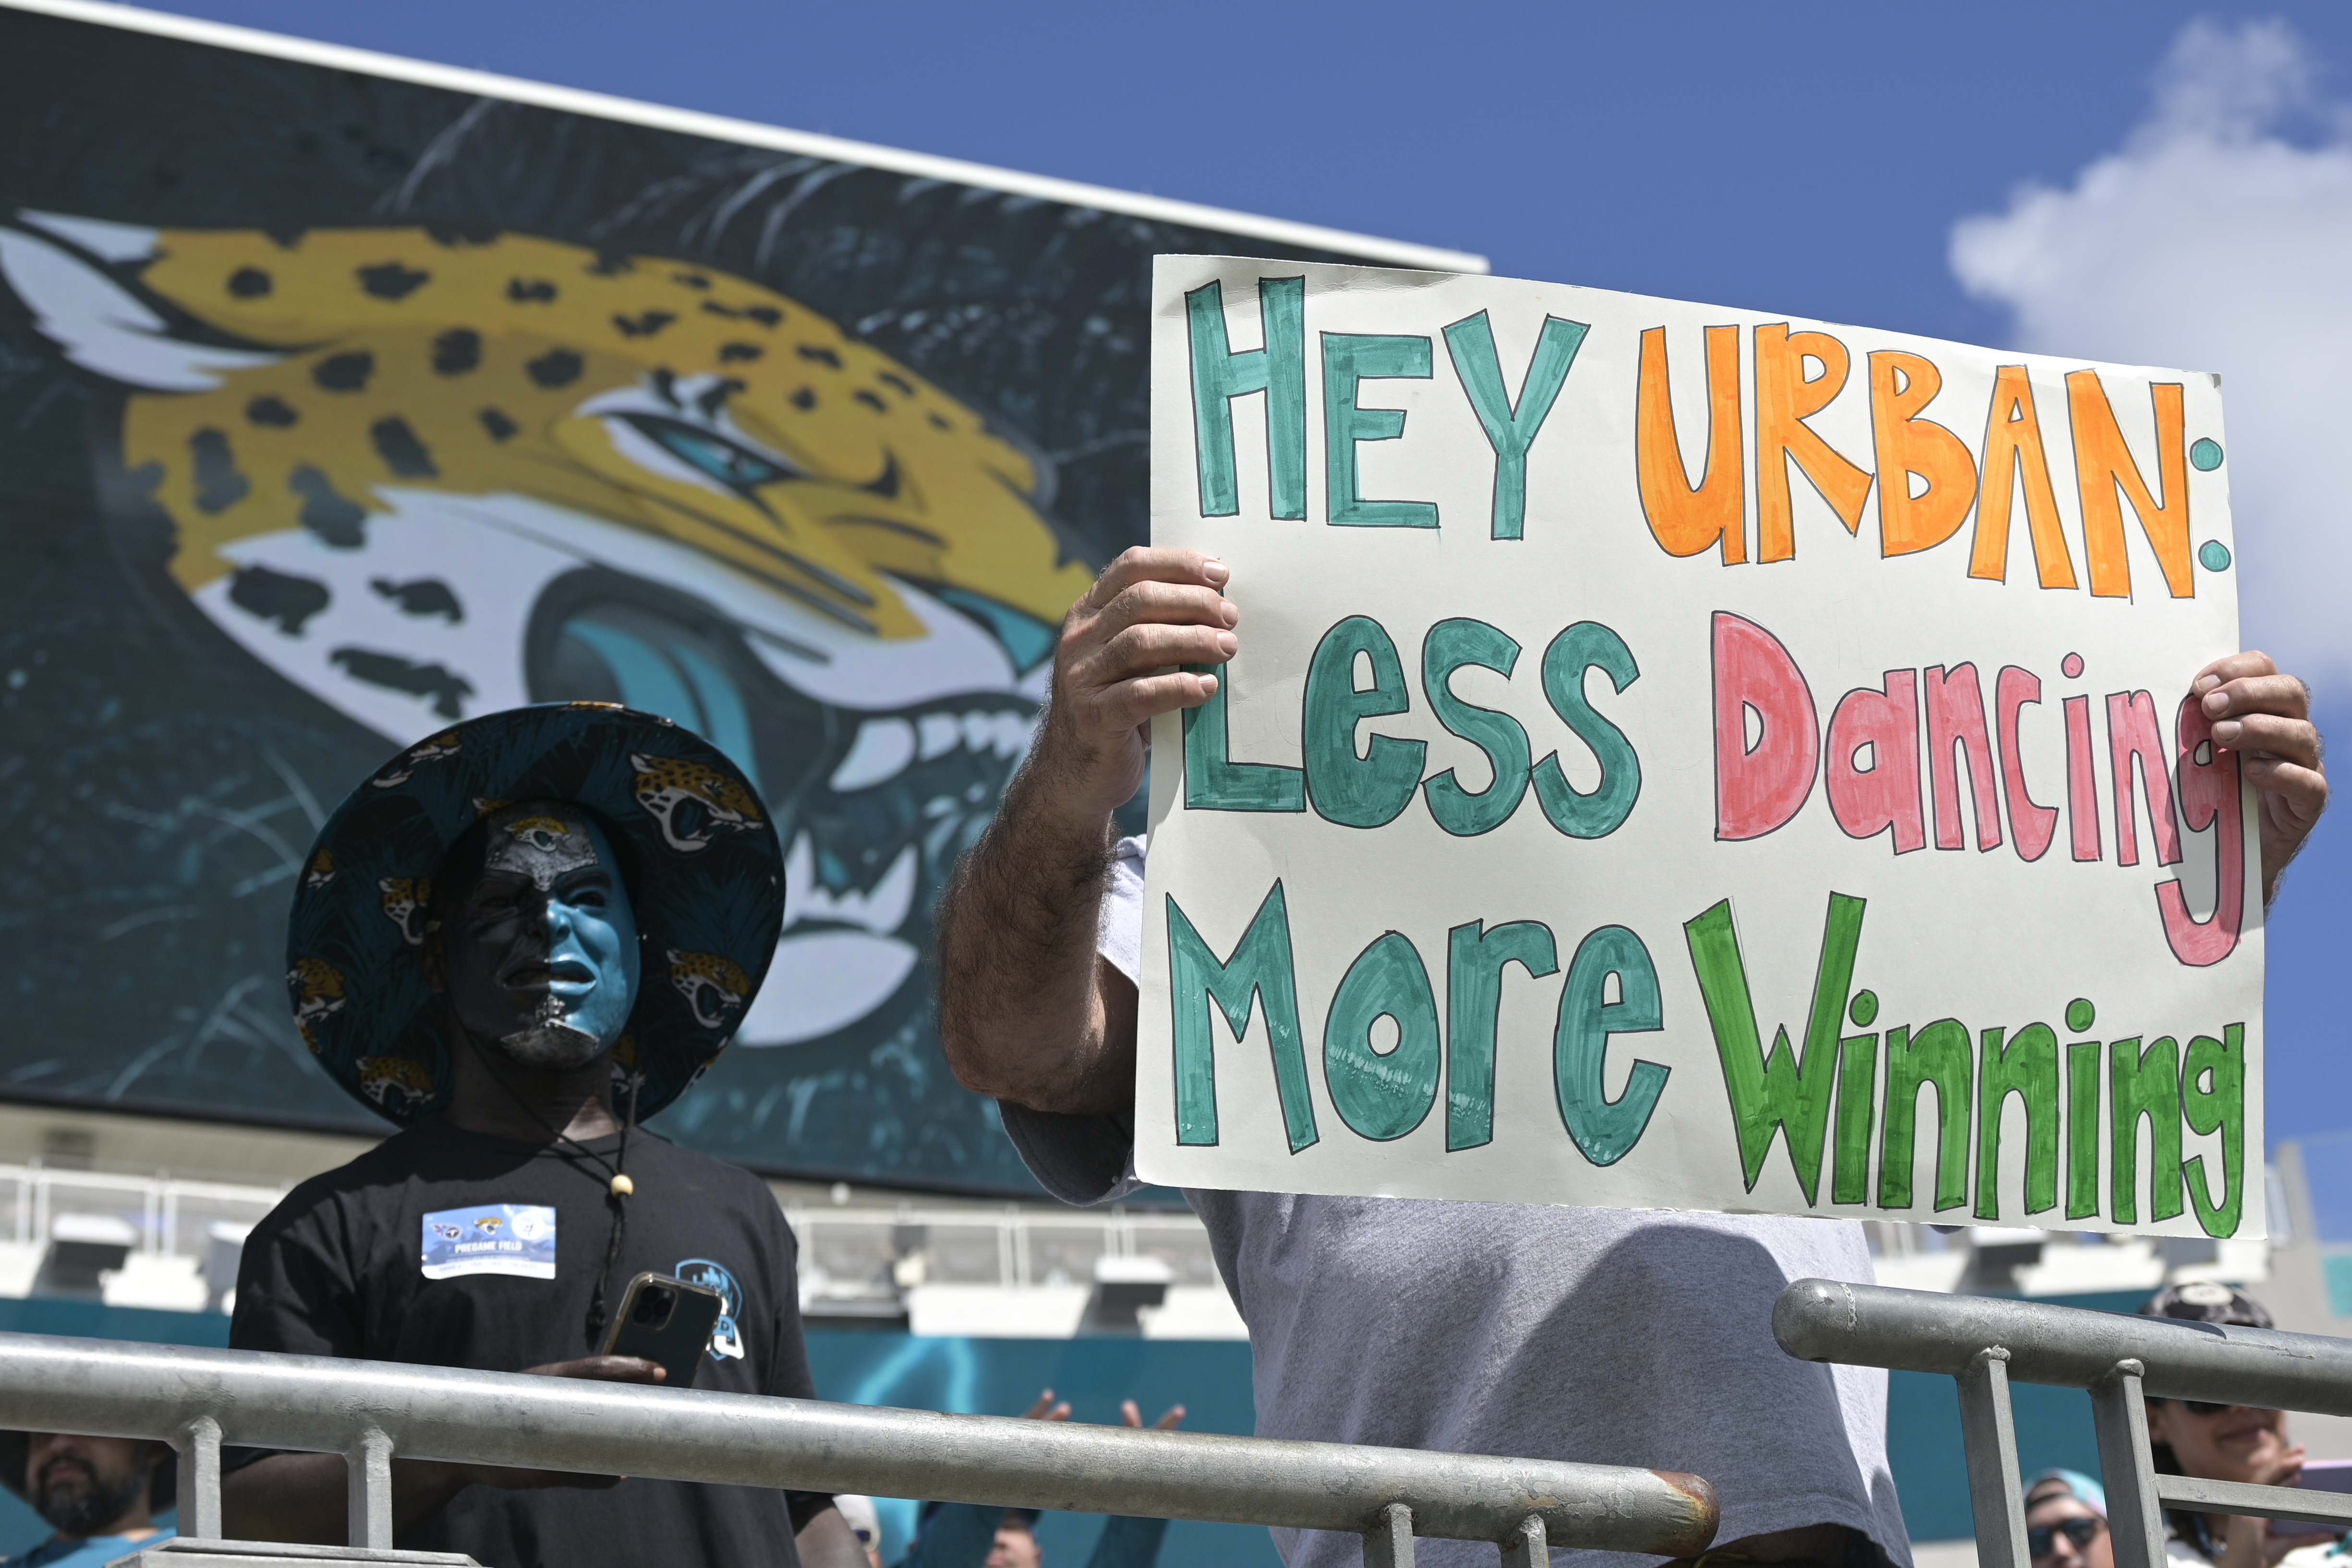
[
  {"x": 1350, "y": 358},
  {"x": 1221, "y": 375},
  {"x": 1589, "y": 645},
  {"x": 1259, "y": 968},
  {"x": 1511, "y": 429},
  {"x": 1369, "y": 789},
  {"x": 1382, "y": 1095},
  {"x": 1449, "y": 645},
  {"x": 1784, "y": 1091},
  {"x": 1606, "y": 1130},
  {"x": 1212, "y": 780},
  {"x": 1474, "y": 958}
]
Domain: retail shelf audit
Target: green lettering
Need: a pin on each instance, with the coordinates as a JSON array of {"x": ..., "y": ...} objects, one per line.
[
  {"x": 2026, "y": 1067},
  {"x": 2082, "y": 1125},
  {"x": 1856, "y": 1110},
  {"x": 1259, "y": 966},
  {"x": 2144, "y": 1084},
  {"x": 2213, "y": 1099},
  {"x": 1784, "y": 1089},
  {"x": 1220, "y": 375},
  {"x": 1938, "y": 1054}
]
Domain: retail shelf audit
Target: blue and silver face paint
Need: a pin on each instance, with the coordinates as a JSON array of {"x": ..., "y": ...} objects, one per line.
[{"x": 540, "y": 953}]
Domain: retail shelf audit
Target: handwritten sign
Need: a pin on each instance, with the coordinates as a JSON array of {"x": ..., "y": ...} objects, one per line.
[{"x": 1685, "y": 757}]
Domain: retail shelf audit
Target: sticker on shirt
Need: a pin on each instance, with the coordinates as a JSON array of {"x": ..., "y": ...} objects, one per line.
[
  {"x": 491, "y": 1239},
  {"x": 726, "y": 1340}
]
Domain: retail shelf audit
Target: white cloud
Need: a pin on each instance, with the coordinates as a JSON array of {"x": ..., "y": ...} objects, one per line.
[{"x": 2211, "y": 241}]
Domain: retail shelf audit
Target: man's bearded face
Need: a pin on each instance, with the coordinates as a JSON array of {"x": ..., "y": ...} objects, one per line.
[
  {"x": 539, "y": 954},
  {"x": 81, "y": 1485}
]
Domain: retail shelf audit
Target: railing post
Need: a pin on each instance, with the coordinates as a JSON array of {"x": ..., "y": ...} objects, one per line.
[
  {"x": 1990, "y": 1437},
  {"x": 1525, "y": 1547},
  {"x": 200, "y": 1480},
  {"x": 2135, "y": 1517},
  {"x": 1389, "y": 1543},
  {"x": 371, "y": 1490}
]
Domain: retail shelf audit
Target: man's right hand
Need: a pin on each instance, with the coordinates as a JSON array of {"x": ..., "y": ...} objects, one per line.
[
  {"x": 1115, "y": 671},
  {"x": 1027, "y": 1011}
]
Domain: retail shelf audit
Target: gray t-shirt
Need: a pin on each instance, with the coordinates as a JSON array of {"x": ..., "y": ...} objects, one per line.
[{"x": 1611, "y": 1336}]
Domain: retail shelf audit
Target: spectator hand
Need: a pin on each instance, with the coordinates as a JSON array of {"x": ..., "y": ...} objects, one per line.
[
  {"x": 1046, "y": 1409},
  {"x": 1169, "y": 1421},
  {"x": 1150, "y": 611},
  {"x": 2265, "y": 717}
]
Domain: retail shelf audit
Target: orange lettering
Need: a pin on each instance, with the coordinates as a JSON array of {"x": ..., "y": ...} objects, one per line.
[
  {"x": 1784, "y": 397},
  {"x": 1900, "y": 386},
  {"x": 1685, "y": 520},
  {"x": 2012, "y": 449},
  {"x": 2103, "y": 462}
]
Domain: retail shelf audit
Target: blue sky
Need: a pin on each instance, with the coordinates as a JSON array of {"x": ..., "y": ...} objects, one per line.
[{"x": 2191, "y": 160}]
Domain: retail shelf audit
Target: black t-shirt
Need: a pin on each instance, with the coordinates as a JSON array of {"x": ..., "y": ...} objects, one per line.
[{"x": 340, "y": 1269}]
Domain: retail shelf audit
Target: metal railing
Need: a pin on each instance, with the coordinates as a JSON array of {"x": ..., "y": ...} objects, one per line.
[
  {"x": 1986, "y": 1343},
  {"x": 372, "y": 1411}
]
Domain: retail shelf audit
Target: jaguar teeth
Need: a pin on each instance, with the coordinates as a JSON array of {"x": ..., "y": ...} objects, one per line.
[
  {"x": 881, "y": 909},
  {"x": 885, "y": 747}
]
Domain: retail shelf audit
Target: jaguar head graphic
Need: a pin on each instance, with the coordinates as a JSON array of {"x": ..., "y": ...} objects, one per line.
[{"x": 425, "y": 475}]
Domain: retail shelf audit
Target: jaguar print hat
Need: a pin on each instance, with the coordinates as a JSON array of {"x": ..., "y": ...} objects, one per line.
[{"x": 700, "y": 855}]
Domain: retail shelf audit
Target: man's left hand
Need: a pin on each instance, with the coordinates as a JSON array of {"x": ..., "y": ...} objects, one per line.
[{"x": 2265, "y": 717}]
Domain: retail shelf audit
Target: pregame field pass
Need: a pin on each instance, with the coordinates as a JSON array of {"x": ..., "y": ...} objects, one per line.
[
  {"x": 491, "y": 1239},
  {"x": 1684, "y": 758}
]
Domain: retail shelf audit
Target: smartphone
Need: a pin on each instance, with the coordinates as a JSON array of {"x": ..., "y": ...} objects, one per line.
[
  {"x": 667, "y": 1321},
  {"x": 2319, "y": 1475}
]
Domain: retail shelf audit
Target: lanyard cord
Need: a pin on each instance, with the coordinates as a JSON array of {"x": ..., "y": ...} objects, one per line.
[{"x": 616, "y": 1190}]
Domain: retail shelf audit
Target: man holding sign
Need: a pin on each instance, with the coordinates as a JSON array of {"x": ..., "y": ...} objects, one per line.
[{"x": 1665, "y": 882}]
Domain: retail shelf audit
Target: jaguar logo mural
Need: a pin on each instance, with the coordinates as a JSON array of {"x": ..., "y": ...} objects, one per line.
[{"x": 424, "y": 475}]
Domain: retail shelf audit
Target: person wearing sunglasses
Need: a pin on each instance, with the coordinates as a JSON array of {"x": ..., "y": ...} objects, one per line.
[
  {"x": 2066, "y": 1521},
  {"x": 2227, "y": 1443}
]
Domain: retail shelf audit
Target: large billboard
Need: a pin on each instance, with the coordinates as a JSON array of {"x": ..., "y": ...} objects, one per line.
[{"x": 342, "y": 397}]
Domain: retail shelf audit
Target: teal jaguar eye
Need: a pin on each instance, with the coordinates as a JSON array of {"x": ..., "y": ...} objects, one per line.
[{"x": 737, "y": 467}]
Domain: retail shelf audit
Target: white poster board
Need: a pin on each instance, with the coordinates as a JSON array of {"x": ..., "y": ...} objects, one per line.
[{"x": 1684, "y": 757}]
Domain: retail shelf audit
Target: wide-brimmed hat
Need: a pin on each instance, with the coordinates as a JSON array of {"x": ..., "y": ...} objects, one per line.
[
  {"x": 698, "y": 855},
  {"x": 16, "y": 1447}
]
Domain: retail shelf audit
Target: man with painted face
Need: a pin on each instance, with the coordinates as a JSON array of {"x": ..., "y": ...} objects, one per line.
[{"x": 520, "y": 984}]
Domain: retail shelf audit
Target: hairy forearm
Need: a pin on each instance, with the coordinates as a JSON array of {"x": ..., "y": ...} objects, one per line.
[
  {"x": 306, "y": 1496},
  {"x": 1020, "y": 1009}
]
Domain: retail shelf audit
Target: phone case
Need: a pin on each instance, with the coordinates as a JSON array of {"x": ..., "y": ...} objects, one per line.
[{"x": 667, "y": 1321}]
